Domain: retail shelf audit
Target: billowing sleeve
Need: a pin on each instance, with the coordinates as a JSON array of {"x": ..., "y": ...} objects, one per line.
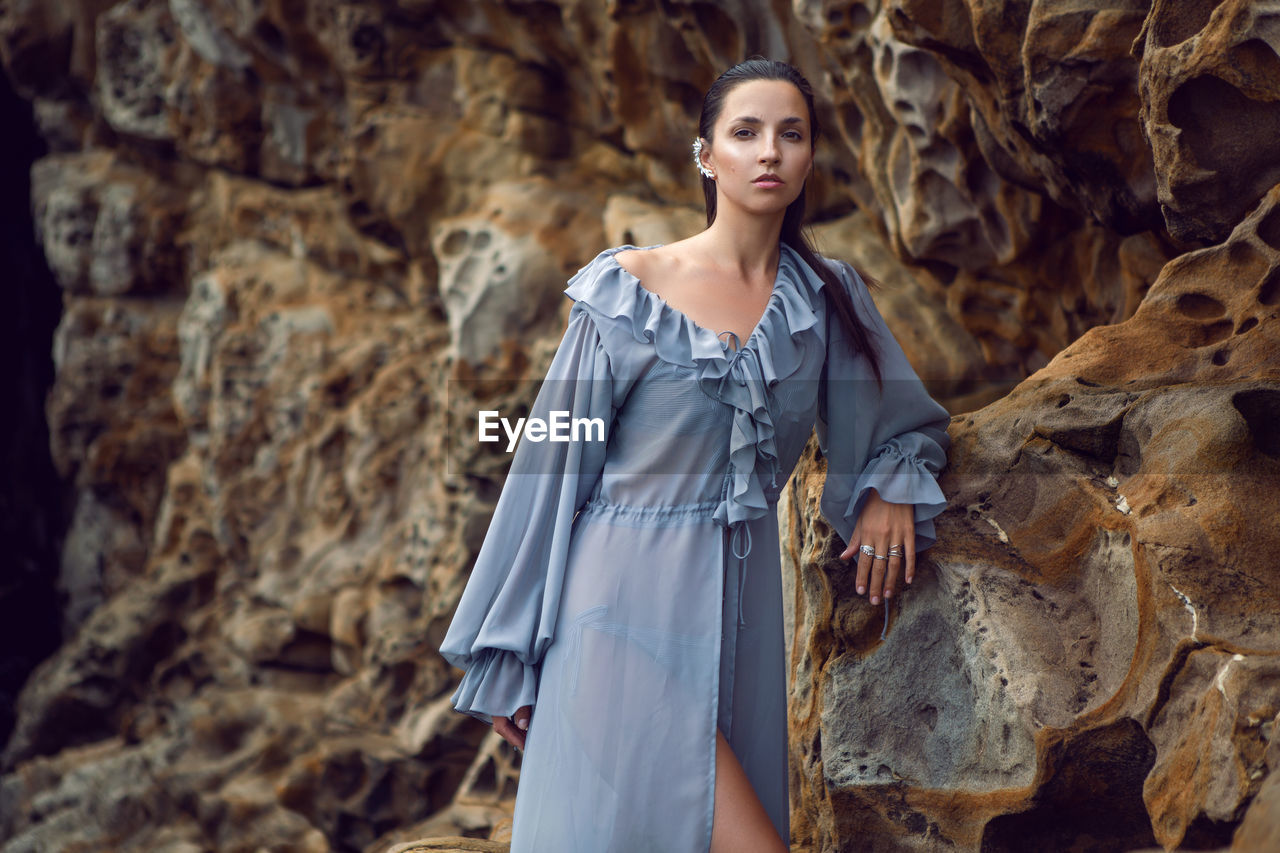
[
  {"x": 891, "y": 439},
  {"x": 507, "y": 613}
]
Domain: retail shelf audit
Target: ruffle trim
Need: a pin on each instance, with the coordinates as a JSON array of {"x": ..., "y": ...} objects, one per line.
[
  {"x": 903, "y": 479},
  {"x": 495, "y": 684},
  {"x": 626, "y": 313}
]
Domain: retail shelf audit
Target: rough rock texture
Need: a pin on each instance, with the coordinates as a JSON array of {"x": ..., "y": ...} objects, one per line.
[
  {"x": 1091, "y": 661},
  {"x": 1210, "y": 65},
  {"x": 298, "y": 245}
]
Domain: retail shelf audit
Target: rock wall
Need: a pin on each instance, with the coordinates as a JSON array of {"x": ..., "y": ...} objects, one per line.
[{"x": 293, "y": 240}]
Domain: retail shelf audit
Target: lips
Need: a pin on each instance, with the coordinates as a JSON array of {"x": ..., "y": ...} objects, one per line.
[{"x": 769, "y": 178}]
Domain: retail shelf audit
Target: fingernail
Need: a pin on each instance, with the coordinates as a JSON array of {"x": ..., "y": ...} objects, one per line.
[
  {"x": 523, "y": 725},
  {"x": 888, "y": 594},
  {"x": 862, "y": 590},
  {"x": 875, "y": 599}
]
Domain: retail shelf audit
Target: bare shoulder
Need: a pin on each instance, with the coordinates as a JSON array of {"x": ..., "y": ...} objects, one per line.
[{"x": 656, "y": 264}]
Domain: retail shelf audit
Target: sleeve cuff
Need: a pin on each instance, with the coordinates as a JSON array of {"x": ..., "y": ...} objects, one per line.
[
  {"x": 495, "y": 685},
  {"x": 902, "y": 479}
]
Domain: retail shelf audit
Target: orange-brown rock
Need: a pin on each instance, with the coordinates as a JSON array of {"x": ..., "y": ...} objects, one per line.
[
  {"x": 1092, "y": 656},
  {"x": 1208, "y": 68}
]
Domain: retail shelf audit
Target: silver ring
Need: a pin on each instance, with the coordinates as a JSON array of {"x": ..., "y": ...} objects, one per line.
[
  {"x": 895, "y": 551},
  {"x": 882, "y": 556},
  {"x": 868, "y": 550}
]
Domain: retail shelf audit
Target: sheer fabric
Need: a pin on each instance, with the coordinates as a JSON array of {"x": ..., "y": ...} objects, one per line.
[{"x": 629, "y": 588}]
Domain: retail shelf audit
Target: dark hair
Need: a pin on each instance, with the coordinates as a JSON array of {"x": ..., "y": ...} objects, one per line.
[{"x": 758, "y": 68}]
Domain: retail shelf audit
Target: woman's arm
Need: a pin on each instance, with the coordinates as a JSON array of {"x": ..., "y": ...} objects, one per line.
[
  {"x": 885, "y": 444},
  {"x": 506, "y": 616}
]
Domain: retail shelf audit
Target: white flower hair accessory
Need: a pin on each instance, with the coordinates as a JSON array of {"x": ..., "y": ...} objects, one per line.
[{"x": 697, "y": 159}]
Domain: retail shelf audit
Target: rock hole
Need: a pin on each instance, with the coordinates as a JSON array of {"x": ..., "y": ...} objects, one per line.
[
  {"x": 367, "y": 41},
  {"x": 482, "y": 240},
  {"x": 1269, "y": 228},
  {"x": 1213, "y": 333},
  {"x": 1269, "y": 292},
  {"x": 1064, "y": 400},
  {"x": 886, "y": 62},
  {"x": 1221, "y": 357},
  {"x": 852, "y": 121},
  {"x": 1204, "y": 105},
  {"x": 270, "y": 36},
  {"x": 1260, "y": 408},
  {"x": 1068, "y": 812},
  {"x": 455, "y": 242},
  {"x": 1248, "y": 324},
  {"x": 1200, "y": 306},
  {"x": 1179, "y": 21}
]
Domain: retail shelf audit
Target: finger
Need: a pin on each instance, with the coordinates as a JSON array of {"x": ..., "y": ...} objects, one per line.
[
  {"x": 877, "y": 574},
  {"x": 521, "y": 717},
  {"x": 909, "y": 544},
  {"x": 864, "y": 572},
  {"x": 892, "y": 570},
  {"x": 855, "y": 539},
  {"x": 507, "y": 729}
]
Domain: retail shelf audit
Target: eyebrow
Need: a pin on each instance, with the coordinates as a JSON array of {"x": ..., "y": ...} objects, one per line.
[{"x": 754, "y": 120}]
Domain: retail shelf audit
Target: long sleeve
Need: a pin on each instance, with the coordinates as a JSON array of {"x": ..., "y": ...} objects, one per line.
[
  {"x": 506, "y": 616},
  {"x": 892, "y": 440}
]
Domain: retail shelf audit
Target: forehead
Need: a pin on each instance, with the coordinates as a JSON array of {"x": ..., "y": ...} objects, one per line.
[{"x": 764, "y": 99}]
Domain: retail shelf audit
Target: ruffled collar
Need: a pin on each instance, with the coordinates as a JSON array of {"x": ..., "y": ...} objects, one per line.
[
  {"x": 613, "y": 293},
  {"x": 627, "y": 313}
]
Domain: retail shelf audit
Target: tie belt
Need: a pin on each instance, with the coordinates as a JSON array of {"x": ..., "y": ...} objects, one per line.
[{"x": 739, "y": 529}]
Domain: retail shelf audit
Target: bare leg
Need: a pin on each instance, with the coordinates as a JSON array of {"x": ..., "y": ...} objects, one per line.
[{"x": 739, "y": 822}]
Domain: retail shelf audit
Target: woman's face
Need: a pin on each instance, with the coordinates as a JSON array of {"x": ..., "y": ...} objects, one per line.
[{"x": 762, "y": 149}]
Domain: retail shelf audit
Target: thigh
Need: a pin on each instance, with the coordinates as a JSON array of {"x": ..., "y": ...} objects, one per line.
[{"x": 739, "y": 821}]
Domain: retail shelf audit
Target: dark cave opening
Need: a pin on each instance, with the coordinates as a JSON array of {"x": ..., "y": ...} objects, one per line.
[{"x": 32, "y": 515}]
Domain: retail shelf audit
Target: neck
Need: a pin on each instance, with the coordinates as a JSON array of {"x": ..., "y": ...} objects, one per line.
[{"x": 748, "y": 241}]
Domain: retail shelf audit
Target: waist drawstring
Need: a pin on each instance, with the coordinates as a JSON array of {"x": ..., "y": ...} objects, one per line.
[{"x": 741, "y": 528}]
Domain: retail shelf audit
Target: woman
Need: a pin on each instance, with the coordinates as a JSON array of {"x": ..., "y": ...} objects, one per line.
[{"x": 629, "y": 587}]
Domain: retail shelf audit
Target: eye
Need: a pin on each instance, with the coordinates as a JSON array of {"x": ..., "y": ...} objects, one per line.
[
  {"x": 740, "y": 131},
  {"x": 794, "y": 135}
]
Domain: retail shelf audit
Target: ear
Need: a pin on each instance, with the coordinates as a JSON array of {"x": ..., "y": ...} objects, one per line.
[{"x": 704, "y": 153}]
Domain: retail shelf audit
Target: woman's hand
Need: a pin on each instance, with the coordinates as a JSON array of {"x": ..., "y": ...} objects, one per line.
[
  {"x": 513, "y": 728},
  {"x": 883, "y": 525}
]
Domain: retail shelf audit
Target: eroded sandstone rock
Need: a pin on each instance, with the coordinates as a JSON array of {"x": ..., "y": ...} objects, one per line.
[
  {"x": 1058, "y": 670},
  {"x": 1207, "y": 66}
]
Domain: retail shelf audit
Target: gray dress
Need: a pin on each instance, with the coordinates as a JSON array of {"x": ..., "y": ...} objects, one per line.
[{"x": 629, "y": 587}]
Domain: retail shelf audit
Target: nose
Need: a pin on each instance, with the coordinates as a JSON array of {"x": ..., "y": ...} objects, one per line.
[{"x": 769, "y": 150}]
